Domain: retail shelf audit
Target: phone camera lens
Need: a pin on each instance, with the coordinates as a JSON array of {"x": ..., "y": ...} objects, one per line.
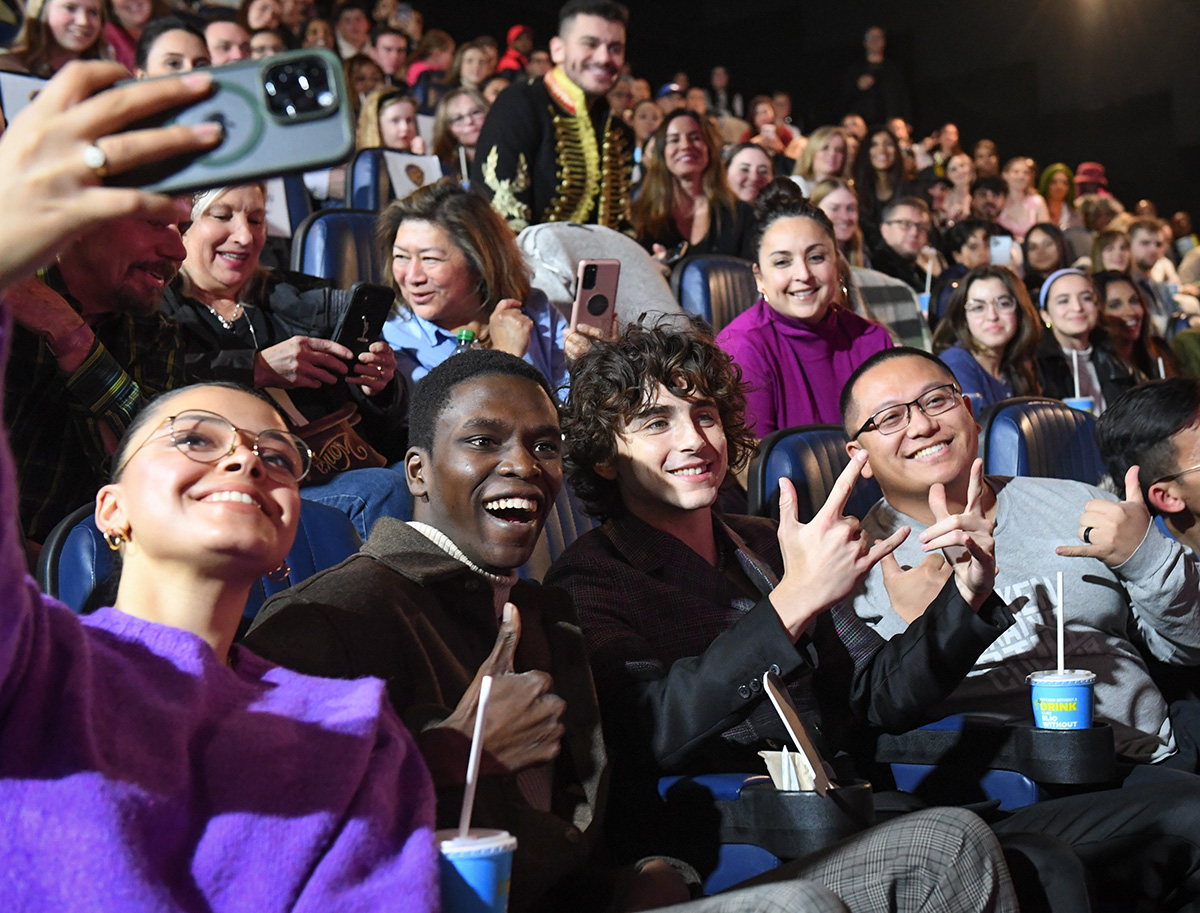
[
  {"x": 589, "y": 276},
  {"x": 298, "y": 88}
]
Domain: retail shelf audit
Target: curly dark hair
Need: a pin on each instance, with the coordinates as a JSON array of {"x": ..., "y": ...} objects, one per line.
[{"x": 614, "y": 380}]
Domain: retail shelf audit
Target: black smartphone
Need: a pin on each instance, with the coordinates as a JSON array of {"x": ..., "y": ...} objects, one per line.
[
  {"x": 362, "y": 322},
  {"x": 281, "y": 114}
]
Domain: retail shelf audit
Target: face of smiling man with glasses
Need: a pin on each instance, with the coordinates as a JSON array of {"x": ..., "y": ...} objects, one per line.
[{"x": 907, "y": 413}]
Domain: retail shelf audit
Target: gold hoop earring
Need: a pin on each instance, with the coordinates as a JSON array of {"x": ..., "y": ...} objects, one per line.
[
  {"x": 115, "y": 539},
  {"x": 280, "y": 573}
]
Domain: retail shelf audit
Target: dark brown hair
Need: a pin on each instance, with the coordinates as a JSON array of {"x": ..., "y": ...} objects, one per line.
[
  {"x": 614, "y": 380},
  {"x": 1019, "y": 359}
]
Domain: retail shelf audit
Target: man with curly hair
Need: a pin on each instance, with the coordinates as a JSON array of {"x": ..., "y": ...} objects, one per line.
[{"x": 685, "y": 611}]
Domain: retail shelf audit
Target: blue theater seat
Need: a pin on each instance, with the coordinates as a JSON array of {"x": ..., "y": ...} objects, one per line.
[
  {"x": 76, "y": 560},
  {"x": 338, "y": 245},
  {"x": 812, "y": 456},
  {"x": 370, "y": 185},
  {"x": 1044, "y": 438},
  {"x": 714, "y": 287}
]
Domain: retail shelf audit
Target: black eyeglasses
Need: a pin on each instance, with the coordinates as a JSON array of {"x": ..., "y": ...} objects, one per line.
[
  {"x": 896, "y": 418},
  {"x": 207, "y": 437}
]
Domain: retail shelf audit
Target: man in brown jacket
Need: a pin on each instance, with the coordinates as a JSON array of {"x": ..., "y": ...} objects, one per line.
[{"x": 433, "y": 606}]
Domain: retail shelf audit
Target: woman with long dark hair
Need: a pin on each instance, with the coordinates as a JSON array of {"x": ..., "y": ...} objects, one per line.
[
  {"x": 686, "y": 201},
  {"x": 878, "y": 177},
  {"x": 989, "y": 337}
]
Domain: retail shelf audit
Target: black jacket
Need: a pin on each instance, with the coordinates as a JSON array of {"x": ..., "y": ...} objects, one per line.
[
  {"x": 1058, "y": 382},
  {"x": 284, "y": 305}
]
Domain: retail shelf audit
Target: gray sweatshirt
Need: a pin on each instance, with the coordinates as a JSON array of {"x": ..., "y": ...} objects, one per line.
[{"x": 1149, "y": 602}]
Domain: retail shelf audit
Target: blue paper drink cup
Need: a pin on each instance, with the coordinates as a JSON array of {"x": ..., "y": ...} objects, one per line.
[
  {"x": 1062, "y": 700},
  {"x": 475, "y": 870},
  {"x": 1082, "y": 403}
]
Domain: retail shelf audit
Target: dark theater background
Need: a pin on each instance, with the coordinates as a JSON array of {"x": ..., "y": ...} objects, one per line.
[{"x": 1116, "y": 81}]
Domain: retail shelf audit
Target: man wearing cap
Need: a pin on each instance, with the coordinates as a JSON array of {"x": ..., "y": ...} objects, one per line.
[
  {"x": 670, "y": 98},
  {"x": 516, "y": 55},
  {"x": 551, "y": 150}
]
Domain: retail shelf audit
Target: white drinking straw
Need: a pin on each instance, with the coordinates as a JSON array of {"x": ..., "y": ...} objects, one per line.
[
  {"x": 464, "y": 819},
  {"x": 1075, "y": 370},
  {"x": 1061, "y": 613},
  {"x": 928, "y": 274},
  {"x": 462, "y": 163}
]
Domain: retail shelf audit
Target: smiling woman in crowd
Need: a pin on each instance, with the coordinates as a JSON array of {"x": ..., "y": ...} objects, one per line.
[
  {"x": 750, "y": 169},
  {"x": 685, "y": 197},
  {"x": 800, "y": 342},
  {"x": 1133, "y": 335},
  {"x": 823, "y": 159},
  {"x": 455, "y": 265},
  {"x": 246, "y": 324},
  {"x": 54, "y": 33},
  {"x": 989, "y": 337},
  {"x": 1076, "y": 358},
  {"x": 838, "y": 200},
  {"x": 456, "y": 126},
  {"x": 878, "y": 176}
]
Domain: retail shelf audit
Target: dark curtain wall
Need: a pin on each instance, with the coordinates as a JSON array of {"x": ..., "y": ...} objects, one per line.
[{"x": 1117, "y": 81}]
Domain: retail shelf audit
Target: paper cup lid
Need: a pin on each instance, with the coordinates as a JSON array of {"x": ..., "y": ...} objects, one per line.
[
  {"x": 1066, "y": 677},
  {"x": 478, "y": 842}
]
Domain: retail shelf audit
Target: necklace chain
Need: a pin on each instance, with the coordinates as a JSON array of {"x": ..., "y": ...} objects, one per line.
[{"x": 238, "y": 310}]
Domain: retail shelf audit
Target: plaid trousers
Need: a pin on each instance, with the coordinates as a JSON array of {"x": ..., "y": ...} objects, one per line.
[{"x": 939, "y": 860}]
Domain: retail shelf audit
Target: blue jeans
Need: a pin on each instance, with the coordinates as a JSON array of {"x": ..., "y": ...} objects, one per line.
[{"x": 364, "y": 495}]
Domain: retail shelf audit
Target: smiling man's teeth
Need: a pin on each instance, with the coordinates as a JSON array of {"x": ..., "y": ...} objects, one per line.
[
  {"x": 510, "y": 504},
  {"x": 238, "y": 496},
  {"x": 930, "y": 451}
]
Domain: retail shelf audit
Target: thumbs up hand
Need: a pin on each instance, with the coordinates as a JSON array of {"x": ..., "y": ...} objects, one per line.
[
  {"x": 1112, "y": 530},
  {"x": 524, "y": 717}
]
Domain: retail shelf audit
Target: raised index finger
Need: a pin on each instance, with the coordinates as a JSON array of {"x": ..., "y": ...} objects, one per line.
[
  {"x": 835, "y": 504},
  {"x": 975, "y": 489}
]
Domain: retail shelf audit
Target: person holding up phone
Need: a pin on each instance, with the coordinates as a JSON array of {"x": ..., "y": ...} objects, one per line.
[
  {"x": 163, "y": 751},
  {"x": 260, "y": 328},
  {"x": 455, "y": 266}
]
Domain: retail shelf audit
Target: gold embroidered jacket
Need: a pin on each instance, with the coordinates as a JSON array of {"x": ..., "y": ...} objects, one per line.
[{"x": 543, "y": 156}]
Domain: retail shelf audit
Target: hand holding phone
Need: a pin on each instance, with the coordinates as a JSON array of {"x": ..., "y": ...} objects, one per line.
[
  {"x": 362, "y": 322},
  {"x": 596, "y": 294},
  {"x": 285, "y": 113},
  {"x": 46, "y": 138},
  {"x": 1000, "y": 250}
]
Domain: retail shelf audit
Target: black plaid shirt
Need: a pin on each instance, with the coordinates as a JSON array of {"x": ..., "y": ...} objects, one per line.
[{"x": 55, "y": 419}]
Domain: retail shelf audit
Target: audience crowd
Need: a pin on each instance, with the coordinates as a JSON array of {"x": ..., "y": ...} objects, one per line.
[{"x": 165, "y": 377}]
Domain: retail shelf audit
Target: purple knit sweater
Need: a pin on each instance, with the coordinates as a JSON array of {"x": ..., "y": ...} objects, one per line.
[
  {"x": 794, "y": 370},
  {"x": 138, "y": 773}
]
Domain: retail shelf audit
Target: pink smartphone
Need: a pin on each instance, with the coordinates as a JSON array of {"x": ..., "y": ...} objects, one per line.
[{"x": 596, "y": 293}]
